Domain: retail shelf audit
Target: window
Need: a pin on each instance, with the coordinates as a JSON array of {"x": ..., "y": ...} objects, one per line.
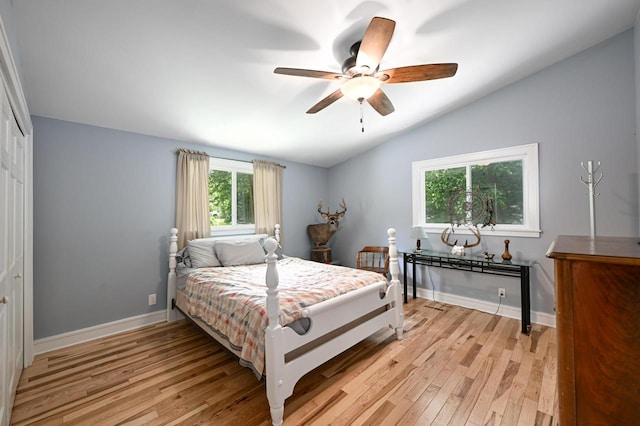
[
  {"x": 230, "y": 196},
  {"x": 497, "y": 188}
]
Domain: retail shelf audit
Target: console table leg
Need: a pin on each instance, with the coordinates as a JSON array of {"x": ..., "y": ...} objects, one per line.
[
  {"x": 404, "y": 259},
  {"x": 414, "y": 279},
  {"x": 525, "y": 299}
]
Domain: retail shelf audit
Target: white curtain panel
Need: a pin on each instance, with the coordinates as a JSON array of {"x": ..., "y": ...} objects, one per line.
[
  {"x": 192, "y": 196},
  {"x": 267, "y": 196}
]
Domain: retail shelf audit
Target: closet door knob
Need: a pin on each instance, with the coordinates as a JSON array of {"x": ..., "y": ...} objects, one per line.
[
  {"x": 17, "y": 276},
  {"x": 4, "y": 300}
]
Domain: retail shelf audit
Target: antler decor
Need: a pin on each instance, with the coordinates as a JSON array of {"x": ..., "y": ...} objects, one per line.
[
  {"x": 471, "y": 208},
  {"x": 332, "y": 218},
  {"x": 455, "y": 248},
  {"x": 321, "y": 233}
]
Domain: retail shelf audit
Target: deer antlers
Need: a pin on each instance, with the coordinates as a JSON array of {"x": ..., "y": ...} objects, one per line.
[
  {"x": 337, "y": 214},
  {"x": 447, "y": 231}
]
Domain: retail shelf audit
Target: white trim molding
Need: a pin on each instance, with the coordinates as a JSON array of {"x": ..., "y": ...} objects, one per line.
[
  {"x": 11, "y": 80},
  {"x": 503, "y": 310},
  {"x": 59, "y": 341}
]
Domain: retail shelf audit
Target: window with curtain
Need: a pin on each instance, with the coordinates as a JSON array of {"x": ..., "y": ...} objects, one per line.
[{"x": 217, "y": 196}]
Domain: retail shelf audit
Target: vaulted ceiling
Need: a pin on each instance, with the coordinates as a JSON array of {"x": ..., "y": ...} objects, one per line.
[{"x": 201, "y": 71}]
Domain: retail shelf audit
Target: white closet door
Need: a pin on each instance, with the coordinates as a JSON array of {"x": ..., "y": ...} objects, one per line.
[{"x": 11, "y": 256}]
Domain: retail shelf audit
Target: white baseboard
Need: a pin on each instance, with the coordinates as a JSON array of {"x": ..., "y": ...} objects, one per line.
[
  {"x": 51, "y": 343},
  {"x": 541, "y": 318}
]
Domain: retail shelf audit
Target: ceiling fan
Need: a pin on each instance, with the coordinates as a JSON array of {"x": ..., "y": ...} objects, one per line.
[{"x": 361, "y": 78}]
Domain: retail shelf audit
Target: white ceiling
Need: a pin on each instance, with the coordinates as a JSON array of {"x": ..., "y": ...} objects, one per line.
[{"x": 201, "y": 71}]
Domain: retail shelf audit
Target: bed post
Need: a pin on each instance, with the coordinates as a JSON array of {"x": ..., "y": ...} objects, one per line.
[
  {"x": 395, "y": 282},
  {"x": 274, "y": 355},
  {"x": 171, "y": 280}
]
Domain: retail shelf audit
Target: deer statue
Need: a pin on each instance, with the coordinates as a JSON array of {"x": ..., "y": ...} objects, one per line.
[
  {"x": 321, "y": 233},
  {"x": 455, "y": 248}
]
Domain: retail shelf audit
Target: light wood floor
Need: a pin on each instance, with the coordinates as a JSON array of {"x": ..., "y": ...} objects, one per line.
[{"x": 455, "y": 366}]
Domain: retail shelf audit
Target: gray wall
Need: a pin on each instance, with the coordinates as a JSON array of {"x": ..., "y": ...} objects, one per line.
[
  {"x": 9, "y": 24},
  {"x": 580, "y": 109},
  {"x": 636, "y": 33},
  {"x": 104, "y": 201}
]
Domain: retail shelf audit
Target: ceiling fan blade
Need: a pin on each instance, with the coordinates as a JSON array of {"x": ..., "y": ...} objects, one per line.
[
  {"x": 419, "y": 73},
  {"x": 375, "y": 42},
  {"x": 381, "y": 103},
  {"x": 325, "y": 102},
  {"x": 308, "y": 73}
]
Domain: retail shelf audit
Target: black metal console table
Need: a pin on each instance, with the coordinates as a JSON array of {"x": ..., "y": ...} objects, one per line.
[{"x": 513, "y": 268}]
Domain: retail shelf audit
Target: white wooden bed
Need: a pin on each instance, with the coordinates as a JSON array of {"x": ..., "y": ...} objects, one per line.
[{"x": 335, "y": 324}]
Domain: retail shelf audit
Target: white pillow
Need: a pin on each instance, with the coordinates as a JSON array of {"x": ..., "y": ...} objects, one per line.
[
  {"x": 202, "y": 253},
  {"x": 239, "y": 253}
]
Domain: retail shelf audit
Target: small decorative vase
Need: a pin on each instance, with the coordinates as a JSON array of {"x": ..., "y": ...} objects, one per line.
[{"x": 506, "y": 255}]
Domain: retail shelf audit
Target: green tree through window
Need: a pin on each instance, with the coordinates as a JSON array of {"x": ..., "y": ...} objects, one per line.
[
  {"x": 230, "y": 194},
  {"x": 245, "y": 199},
  {"x": 220, "y": 198},
  {"x": 441, "y": 186},
  {"x": 492, "y": 192},
  {"x": 502, "y": 182}
]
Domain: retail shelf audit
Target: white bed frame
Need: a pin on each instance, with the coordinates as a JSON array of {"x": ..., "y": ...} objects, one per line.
[{"x": 357, "y": 315}]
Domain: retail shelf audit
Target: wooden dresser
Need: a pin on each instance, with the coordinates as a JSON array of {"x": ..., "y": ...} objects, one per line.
[{"x": 598, "y": 329}]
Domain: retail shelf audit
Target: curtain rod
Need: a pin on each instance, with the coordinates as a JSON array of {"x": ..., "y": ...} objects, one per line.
[
  {"x": 267, "y": 161},
  {"x": 225, "y": 158}
]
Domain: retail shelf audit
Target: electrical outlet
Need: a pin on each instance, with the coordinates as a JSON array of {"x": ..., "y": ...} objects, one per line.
[
  {"x": 502, "y": 293},
  {"x": 152, "y": 299}
]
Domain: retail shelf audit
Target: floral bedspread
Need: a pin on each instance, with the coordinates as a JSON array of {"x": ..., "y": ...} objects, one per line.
[{"x": 232, "y": 300}]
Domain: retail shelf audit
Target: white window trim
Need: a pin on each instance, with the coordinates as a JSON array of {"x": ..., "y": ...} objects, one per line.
[
  {"x": 234, "y": 166},
  {"x": 530, "y": 186}
]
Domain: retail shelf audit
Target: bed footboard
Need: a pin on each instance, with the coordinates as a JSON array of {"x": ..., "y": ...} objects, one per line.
[{"x": 340, "y": 323}]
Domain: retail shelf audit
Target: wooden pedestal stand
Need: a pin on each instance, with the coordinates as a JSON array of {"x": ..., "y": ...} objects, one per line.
[{"x": 321, "y": 254}]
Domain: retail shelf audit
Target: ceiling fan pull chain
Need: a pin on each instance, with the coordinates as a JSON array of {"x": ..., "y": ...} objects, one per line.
[{"x": 361, "y": 115}]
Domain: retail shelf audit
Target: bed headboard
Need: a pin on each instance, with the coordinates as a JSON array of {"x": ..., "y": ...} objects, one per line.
[{"x": 173, "y": 314}]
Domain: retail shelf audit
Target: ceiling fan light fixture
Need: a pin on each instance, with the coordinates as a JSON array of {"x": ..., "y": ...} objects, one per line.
[
  {"x": 362, "y": 87},
  {"x": 361, "y": 78}
]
